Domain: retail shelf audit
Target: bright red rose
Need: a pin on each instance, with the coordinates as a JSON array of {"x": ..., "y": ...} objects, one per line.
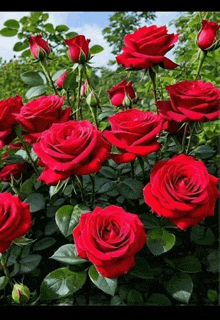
[
  {"x": 73, "y": 147},
  {"x": 207, "y": 35},
  {"x": 15, "y": 219},
  {"x": 78, "y": 48},
  {"x": 61, "y": 79},
  {"x": 134, "y": 133},
  {"x": 120, "y": 92},
  {"x": 146, "y": 47},
  {"x": 194, "y": 100},
  {"x": 39, "y": 114},
  {"x": 38, "y": 46},
  {"x": 109, "y": 238},
  {"x": 84, "y": 89},
  {"x": 8, "y": 109},
  {"x": 181, "y": 190},
  {"x": 14, "y": 169}
]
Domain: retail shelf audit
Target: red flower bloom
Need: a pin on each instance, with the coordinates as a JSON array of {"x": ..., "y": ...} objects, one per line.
[
  {"x": 181, "y": 190},
  {"x": 78, "y": 48},
  {"x": 73, "y": 147},
  {"x": 8, "y": 110},
  {"x": 194, "y": 100},
  {"x": 39, "y": 114},
  {"x": 15, "y": 219},
  {"x": 120, "y": 92},
  {"x": 146, "y": 47},
  {"x": 134, "y": 133},
  {"x": 109, "y": 238},
  {"x": 38, "y": 46},
  {"x": 14, "y": 169},
  {"x": 207, "y": 35}
]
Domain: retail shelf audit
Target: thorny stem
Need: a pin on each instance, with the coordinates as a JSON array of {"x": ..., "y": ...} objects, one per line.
[
  {"x": 79, "y": 93},
  {"x": 44, "y": 66}
]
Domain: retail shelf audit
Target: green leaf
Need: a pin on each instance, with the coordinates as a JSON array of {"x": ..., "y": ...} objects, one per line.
[
  {"x": 12, "y": 23},
  {"x": 32, "y": 78},
  {"x": 62, "y": 28},
  {"x": 131, "y": 188},
  {"x": 108, "y": 172},
  {"x": 8, "y": 32},
  {"x": 3, "y": 282},
  {"x": 36, "y": 201},
  {"x": 201, "y": 235},
  {"x": 19, "y": 46},
  {"x": 142, "y": 269},
  {"x": 96, "y": 49},
  {"x": 188, "y": 264},
  {"x": 71, "y": 35},
  {"x": 36, "y": 91},
  {"x": 70, "y": 82},
  {"x": 180, "y": 287},
  {"x": 134, "y": 298},
  {"x": 49, "y": 27},
  {"x": 29, "y": 263},
  {"x": 67, "y": 218},
  {"x": 204, "y": 152},
  {"x": 67, "y": 254},
  {"x": 213, "y": 261},
  {"x": 160, "y": 241},
  {"x": 61, "y": 283},
  {"x": 158, "y": 299},
  {"x": 107, "y": 285},
  {"x": 44, "y": 243}
]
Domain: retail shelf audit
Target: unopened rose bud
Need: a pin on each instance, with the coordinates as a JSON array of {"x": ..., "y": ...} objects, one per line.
[
  {"x": 20, "y": 293},
  {"x": 206, "y": 38},
  {"x": 92, "y": 99},
  {"x": 39, "y": 47}
]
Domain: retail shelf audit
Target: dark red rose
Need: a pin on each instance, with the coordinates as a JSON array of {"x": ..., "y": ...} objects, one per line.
[
  {"x": 15, "y": 219},
  {"x": 109, "y": 238},
  {"x": 134, "y": 133},
  {"x": 73, "y": 147},
  {"x": 146, "y": 47},
  {"x": 78, "y": 48},
  {"x": 194, "y": 100},
  {"x": 14, "y": 169},
  {"x": 38, "y": 46},
  {"x": 181, "y": 190},
  {"x": 8, "y": 108},
  {"x": 207, "y": 35},
  {"x": 121, "y": 92},
  {"x": 39, "y": 114}
]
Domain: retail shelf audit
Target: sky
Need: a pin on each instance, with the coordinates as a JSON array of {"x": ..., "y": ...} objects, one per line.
[{"x": 89, "y": 23}]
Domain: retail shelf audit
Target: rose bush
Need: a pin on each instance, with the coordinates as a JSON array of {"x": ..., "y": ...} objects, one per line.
[{"x": 111, "y": 198}]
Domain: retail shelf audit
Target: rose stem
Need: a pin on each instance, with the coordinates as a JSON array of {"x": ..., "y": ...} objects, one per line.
[
  {"x": 79, "y": 92},
  {"x": 132, "y": 169},
  {"x": 44, "y": 66},
  {"x": 152, "y": 74},
  {"x": 184, "y": 137},
  {"x": 190, "y": 137},
  {"x": 18, "y": 132},
  {"x": 202, "y": 58}
]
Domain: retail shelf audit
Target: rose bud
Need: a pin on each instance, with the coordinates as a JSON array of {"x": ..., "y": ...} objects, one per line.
[
  {"x": 122, "y": 94},
  {"x": 20, "y": 293},
  {"x": 39, "y": 47},
  {"x": 92, "y": 99},
  {"x": 61, "y": 79},
  {"x": 78, "y": 48},
  {"x": 207, "y": 35},
  {"x": 84, "y": 89}
]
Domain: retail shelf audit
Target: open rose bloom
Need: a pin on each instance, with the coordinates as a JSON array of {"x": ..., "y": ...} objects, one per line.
[
  {"x": 109, "y": 238},
  {"x": 181, "y": 190},
  {"x": 147, "y": 47}
]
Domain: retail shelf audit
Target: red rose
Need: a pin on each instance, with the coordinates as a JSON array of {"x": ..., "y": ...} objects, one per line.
[
  {"x": 207, "y": 35},
  {"x": 134, "y": 133},
  {"x": 78, "y": 48},
  {"x": 61, "y": 79},
  {"x": 73, "y": 147},
  {"x": 8, "y": 109},
  {"x": 83, "y": 90},
  {"x": 15, "y": 219},
  {"x": 121, "y": 92},
  {"x": 181, "y": 190},
  {"x": 146, "y": 47},
  {"x": 39, "y": 114},
  {"x": 194, "y": 100},
  {"x": 38, "y": 46},
  {"x": 109, "y": 238},
  {"x": 14, "y": 169}
]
